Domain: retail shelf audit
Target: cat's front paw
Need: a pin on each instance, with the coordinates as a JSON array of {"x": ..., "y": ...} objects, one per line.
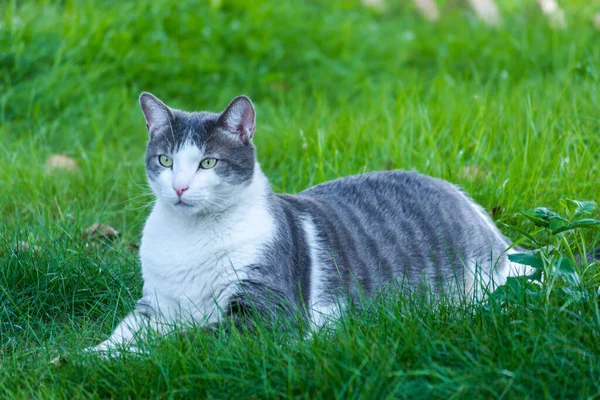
[
  {"x": 104, "y": 350},
  {"x": 109, "y": 350}
]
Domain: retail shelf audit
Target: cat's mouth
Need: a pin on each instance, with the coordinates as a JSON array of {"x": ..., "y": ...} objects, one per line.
[{"x": 182, "y": 204}]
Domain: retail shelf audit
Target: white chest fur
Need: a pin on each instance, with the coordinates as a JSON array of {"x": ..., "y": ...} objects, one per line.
[{"x": 191, "y": 265}]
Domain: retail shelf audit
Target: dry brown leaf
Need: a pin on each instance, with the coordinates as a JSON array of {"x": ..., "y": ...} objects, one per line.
[
  {"x": 59, "y": 360},
  {"x": 496, "y": 211},
  {"x": 99, "y": 230},
  {"x": 61, "y": 162},
  {"x": 133, "y": 246}
]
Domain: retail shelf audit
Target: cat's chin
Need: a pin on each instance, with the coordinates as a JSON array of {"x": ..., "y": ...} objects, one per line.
[{"x": 185, "y": 208}]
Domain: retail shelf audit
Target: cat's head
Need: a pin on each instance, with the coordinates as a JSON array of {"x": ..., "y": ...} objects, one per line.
[{"x": 199, "y": 162}]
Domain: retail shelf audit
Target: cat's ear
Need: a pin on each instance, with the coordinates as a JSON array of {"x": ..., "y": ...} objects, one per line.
[
  {"x": 239, "y": 118},
  {"x": 157, "y": 114}
]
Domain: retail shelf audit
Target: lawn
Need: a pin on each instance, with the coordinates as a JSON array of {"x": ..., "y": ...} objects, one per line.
[{"x": 511, "y": 114}]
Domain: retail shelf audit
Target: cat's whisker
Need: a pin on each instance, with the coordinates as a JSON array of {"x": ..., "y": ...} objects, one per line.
[
  {"x": 143, "y": 195},
  {"x": 142, "y": 206},
  {"x": 145, "y": 190}
]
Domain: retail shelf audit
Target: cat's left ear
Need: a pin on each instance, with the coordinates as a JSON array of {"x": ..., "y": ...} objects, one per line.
[
  {"x": 239, "y": 118},
  {"x": 157, "y": 114}
]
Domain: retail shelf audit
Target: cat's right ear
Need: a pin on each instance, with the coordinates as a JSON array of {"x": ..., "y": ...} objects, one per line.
[
  {"x": 157, "y": 114},
  {"x": 239, "y": 118}
]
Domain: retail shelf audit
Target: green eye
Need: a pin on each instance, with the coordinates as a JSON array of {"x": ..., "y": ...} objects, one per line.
[
  {"x": 208, "y": 163},
  {"x": 165, "y": 161}
]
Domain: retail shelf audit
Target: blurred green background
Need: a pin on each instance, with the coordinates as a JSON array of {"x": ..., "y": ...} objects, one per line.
[{"x": 340, "y": 88}]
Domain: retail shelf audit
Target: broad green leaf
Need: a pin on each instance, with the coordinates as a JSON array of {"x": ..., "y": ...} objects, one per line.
[
  {"x": 579, "y": 208},
  {"x": 556, "y": 224},
  {"x": 535, "y": 276},
  {"x": 582, "y": 223},
  {"x": 527, "y": 235},
  {"x": 516, "y": 290},
  {"x": 519, "y": 289},
  {"x": 542, "y": 216},
  {"x": 533, "y": 260},
  {"x": 565, "y": 269},
  {"x": 574, "y": 294}
]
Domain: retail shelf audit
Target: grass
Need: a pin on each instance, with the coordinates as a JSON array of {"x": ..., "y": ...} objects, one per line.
[{"x": 510, "y": 114}]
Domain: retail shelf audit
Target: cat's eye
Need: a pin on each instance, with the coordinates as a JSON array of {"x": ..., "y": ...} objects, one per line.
[
  {"x": 208, "y": 163},
  {"x": 165, "y": 161}
]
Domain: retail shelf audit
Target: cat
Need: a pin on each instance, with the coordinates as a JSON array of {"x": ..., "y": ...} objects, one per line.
[{"x": 219, "y": 243}]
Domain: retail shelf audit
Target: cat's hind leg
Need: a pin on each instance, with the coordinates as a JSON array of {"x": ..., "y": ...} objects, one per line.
[{"x": 324, "y": 315}]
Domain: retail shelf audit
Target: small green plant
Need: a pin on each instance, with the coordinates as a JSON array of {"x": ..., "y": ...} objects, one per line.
[{"x": 560, "y": 261}]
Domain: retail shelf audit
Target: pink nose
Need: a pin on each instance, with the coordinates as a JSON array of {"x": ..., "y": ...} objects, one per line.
[{"x": 180, "y": 191}]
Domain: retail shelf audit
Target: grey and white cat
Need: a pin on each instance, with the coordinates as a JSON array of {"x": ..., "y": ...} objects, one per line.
[{"x": 219, "y": 242}]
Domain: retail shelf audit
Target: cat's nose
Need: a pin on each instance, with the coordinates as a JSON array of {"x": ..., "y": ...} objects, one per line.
[{"x": 180, "y": 191}]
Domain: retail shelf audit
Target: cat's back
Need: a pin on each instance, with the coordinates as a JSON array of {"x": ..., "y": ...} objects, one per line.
[
  {"x": 391, "y": 196},
  {"x": 410, "y": 201},
  {"x": 383, "y": 224},
  {"x": 383, "y": 186}
]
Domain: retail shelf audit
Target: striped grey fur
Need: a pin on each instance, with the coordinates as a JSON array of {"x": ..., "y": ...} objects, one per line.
[{"x": 377, "y": 229}]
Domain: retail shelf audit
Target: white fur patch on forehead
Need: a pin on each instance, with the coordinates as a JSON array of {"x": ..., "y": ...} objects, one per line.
[{"x": 188, "y": 155}]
